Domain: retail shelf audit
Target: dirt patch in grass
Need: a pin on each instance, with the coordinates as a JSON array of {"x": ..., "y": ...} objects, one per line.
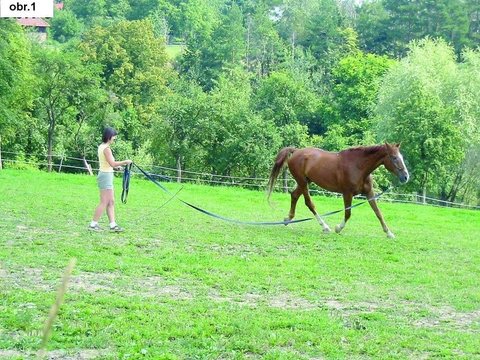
[
  {"x": 78, "y": 354},
  {"x": 155, "y": 286},
  {"x": 446, "y": 315}
]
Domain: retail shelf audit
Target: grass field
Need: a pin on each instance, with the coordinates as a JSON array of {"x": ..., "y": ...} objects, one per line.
[{"x": 178, "y": 284}]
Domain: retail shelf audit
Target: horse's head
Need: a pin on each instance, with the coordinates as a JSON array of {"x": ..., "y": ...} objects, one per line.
[{"x": 394, "y": 162}]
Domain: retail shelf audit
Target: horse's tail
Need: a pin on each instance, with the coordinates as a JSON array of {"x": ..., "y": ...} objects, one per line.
[{"x": 280, "y": 163}]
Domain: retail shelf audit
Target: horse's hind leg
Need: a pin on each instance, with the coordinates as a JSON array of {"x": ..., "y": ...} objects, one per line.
[
  {"x": 311, "y": 206},
  {"x": 294, "y": 196}
]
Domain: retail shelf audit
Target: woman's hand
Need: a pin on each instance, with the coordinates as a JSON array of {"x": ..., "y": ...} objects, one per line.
[{"x": 124, "y": 162}]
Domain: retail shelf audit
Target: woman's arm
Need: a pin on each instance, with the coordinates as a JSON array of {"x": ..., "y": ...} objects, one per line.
[{"x": 111, "y": 160}]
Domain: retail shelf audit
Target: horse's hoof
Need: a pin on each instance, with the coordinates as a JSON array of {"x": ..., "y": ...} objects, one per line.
[
  {"x": 390, "y": 235},
  {"x": 338, "y": 228}
]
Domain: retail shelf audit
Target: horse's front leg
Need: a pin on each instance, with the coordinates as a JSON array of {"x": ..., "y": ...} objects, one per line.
[
  {"x": 373, "y": 204},
  {"x": 311, "y": 206},
  {"x": 347, "y": 202}
]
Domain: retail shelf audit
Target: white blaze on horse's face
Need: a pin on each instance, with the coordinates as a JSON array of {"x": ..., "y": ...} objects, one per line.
[{"x": 395, "y": 162}]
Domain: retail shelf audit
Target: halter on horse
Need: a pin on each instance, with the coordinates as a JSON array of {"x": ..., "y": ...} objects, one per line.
[{"x": 347, "y": 172}]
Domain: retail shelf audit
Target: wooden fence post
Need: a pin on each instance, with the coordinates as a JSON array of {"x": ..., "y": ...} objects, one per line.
[
  {"x": 87, "y": 166},
  {"x": 61, "y": 163},
  {"x": 179, "y": 169},
  {"x": 285, "y": 181}
]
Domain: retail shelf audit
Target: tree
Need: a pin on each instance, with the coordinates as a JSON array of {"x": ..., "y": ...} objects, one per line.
[
  {"x": 370, "y": 25},
  {"x": 355, "y": 81},
  {"x": 473, "y": 13},
  {"x": 418, "y": 104},
  {"x": 182, "y": 115},
  {"x": 64, "y": 86},
  {"x": 215, "y": 40},
  {"x": 289, "y": 102},
  {"x": 89, "y": 12},
  {"x": 134, "y": 69},
  {"x": 386, "y": 27},
  {"x": 229, "y": 104},
  {"x": 264, "y": 48},
  {"x": 16, "y": 88},
  {"x": 256, "y": 144},
  {"x": 466, "y": 184},
  {"x": 290, "y": 21},
  {"x": 229, "y": 38},
  {"x": 64, "y": 26},
  {"x": 322, "y": 28}
]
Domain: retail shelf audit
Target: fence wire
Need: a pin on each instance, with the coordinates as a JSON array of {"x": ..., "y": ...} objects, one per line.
[{"x": 78, "y": 165}]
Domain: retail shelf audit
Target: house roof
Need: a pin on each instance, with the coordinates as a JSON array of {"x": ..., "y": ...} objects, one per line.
[
  {"x": 33, "y": 22},
  {"x": 59, "y": 6}
]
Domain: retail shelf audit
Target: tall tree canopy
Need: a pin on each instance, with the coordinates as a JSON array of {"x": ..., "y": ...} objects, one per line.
[
  {"x": 420, "y": 103},
  {"x": 388, "y": 26},
  {"x": 16, "y": 82},
  {"x": 134, "y": 68}
]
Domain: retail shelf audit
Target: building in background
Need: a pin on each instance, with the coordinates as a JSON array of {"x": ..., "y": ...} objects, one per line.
[{"x": 37, "y": 27}]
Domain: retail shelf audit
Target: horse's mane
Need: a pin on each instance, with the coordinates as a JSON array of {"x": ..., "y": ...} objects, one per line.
[{"x": 371, "y": 149}]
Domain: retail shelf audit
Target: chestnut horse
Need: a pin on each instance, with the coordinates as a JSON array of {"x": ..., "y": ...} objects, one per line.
[{"x": 347, "y": 172}]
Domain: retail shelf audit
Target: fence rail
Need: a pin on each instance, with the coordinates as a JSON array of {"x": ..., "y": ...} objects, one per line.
[{"x": 81, "y": 165}]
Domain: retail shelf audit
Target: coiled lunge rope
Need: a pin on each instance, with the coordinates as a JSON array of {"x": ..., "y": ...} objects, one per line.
[{"x": 126, "y": 182}]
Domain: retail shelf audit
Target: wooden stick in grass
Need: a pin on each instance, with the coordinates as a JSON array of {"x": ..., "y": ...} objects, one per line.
[{"x": 47, "y": 330}]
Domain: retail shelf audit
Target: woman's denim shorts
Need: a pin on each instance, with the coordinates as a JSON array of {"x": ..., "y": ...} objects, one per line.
[{"x": 105, "y": 180}]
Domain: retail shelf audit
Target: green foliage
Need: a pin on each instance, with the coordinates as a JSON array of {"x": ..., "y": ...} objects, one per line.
[
  {"x": 214, "y": 46},
  {"x": 16, "y": 85},
  {"x": 64, "y": 26},
  {"x": 355, "y": 85},
  {"x": 321, "y": 30},
  {"x": 21, "y": 162},
  {"x": 373, "y": 37},
  {"x": 335, "y": 139},
  {"x": 418, "y": 104},
  {"x": 230, "y": 114},
  {"x": 286, "y": 99},
  {"x": 255, "y": 76},
  {"x": 126, "y": 50},
  {"x": 264, "y": 47},
  {"x": 214, "y": 131},
  {"x": 68, "y": 96},
  {"x": 134, "y": 70},
  {"x": 177, "y": 134},
  {"x": 89, "y": 12},
  {"x": 229, "y": 38},
  {"x": 387, "y": 27}
]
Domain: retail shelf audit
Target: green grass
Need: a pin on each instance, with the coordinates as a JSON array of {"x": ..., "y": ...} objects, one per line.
[{"x": 182, "y": 285}]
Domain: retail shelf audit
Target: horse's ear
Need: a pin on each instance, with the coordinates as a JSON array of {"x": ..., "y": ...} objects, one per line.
[
  {"x": 397, "y": 145},
  {"x": 387, "y": 144}
]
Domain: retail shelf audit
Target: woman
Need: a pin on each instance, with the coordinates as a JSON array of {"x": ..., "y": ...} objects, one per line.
[{"x": 105, "y": 181}]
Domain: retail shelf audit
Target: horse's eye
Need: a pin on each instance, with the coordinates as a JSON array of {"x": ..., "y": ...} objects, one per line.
[{"x": 395, "y": 158}]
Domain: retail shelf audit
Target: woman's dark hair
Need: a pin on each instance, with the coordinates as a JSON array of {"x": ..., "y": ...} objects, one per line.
[{"x": 108, "y": 133}]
